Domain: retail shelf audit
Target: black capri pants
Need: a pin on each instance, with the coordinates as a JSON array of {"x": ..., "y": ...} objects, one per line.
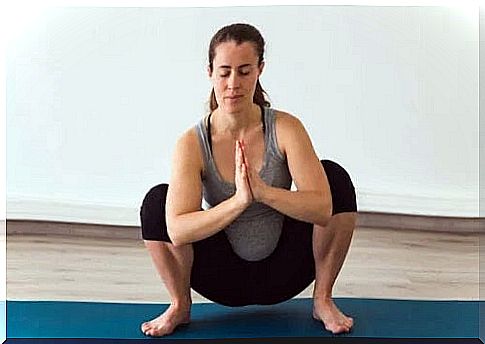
[{"x": 221, "y": 276}]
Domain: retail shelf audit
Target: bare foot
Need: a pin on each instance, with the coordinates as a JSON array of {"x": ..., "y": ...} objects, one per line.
[
  {"x": 334, "y": 320},
  {"x": 166, "y": 322}
]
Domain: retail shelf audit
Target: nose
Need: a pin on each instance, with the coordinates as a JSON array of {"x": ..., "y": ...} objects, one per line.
[{"x": 233, "y": 81}]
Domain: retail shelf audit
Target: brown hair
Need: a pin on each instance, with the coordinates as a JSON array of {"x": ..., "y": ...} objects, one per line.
[{"x": 239, "y": 33}]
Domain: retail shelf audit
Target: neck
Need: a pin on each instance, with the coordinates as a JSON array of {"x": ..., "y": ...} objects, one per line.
[{"x": 236, "y": 124}]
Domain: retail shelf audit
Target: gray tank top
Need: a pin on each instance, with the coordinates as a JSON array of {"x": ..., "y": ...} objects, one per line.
[{"x": 255, "y": 233}]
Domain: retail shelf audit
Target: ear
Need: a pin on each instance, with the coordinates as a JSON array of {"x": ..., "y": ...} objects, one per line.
[
  {"x": 261, "y": 67},
  {"x": 209, "y": 72}
]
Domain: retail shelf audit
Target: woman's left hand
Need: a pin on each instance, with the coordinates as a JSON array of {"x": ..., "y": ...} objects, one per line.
[{"x": 257, "y": 185}]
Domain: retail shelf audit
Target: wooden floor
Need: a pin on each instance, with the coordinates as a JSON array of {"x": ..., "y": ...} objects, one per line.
[{"x": 382, "y": 263}]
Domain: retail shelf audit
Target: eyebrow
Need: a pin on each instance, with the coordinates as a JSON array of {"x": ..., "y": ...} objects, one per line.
[{"x": 241, "y": 66}]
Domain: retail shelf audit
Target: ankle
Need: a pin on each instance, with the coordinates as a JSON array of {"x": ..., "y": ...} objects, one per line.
[
  {"x": 181, "y": 303},
  {"x": 322, "y": 291},
  {"x": 324, "y": 297}
]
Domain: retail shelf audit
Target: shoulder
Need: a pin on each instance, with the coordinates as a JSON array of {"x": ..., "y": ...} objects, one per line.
[
  {"x": 187, "y": 148},
  {"x": 286, "y": 120},
  {"x": 188, "y": 137},
  {"x": 289, "y": 129}
]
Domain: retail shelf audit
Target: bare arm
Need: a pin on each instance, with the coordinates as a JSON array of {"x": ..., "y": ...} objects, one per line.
[
  {"x": 186, "y": 223},
  {"x": 312, "y": 202}
]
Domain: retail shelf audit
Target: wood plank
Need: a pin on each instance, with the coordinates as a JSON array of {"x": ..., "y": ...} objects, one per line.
[{"x": 382, "y": 263}]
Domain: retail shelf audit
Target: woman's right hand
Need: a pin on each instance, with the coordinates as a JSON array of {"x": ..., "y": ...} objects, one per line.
[{"x": 243, "y": 190}]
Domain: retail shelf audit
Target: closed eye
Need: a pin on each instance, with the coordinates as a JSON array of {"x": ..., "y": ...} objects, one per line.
[{"x": 240, "y": 73}]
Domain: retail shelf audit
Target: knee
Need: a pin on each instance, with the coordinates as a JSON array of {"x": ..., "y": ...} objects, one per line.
[
  {"x": 152, "y": 212},
  {"x": 341, "y": 186},
  {"x": 154, "y": 196}
]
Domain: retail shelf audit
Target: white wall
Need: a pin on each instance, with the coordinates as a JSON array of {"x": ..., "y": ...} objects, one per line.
[{"x": 96, "y": 98}]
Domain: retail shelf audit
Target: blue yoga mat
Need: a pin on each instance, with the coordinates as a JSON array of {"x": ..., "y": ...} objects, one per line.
[{"x": 372, "y": 317}]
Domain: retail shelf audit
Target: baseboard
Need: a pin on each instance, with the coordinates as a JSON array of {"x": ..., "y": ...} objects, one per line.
[
  {"x": 421, "y": 223},
  {"x": 23, "y": 207},
  {"x": 23, "y": 227},
  {"x": 72, "y": 211},
  {"x": 439, "y": 205},
  {"x": 364, "y": 220}
]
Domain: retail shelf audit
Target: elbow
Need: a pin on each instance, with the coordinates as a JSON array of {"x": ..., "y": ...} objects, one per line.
[
  {"x": 325, "y": 214},
  {"x": 175, "y": 240},
  {"x": 171, "y": 231},
  {"x": 176, "y": 243},
  {"x": 178, "y": 231},
  {"x": 324, "y": 220}
]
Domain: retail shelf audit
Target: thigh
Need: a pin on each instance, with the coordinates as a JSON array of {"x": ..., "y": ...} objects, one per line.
[
  {"x": 219, "y": 274},
  {"x": 341, "y": 187},
  {"x": 222, "y": 276},
  {"x": 290, "y": 268},
  {"x": 152, "y": 214}
]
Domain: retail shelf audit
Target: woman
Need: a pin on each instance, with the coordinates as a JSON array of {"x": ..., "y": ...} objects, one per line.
[{"x": 257, "y": 242}]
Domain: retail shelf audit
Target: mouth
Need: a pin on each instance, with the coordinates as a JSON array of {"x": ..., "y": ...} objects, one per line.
[{"x": 234, "y": 97}]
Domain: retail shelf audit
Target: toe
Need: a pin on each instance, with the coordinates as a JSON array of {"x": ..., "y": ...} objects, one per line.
[
  {"x": 338, "y": 328},
  {"x": 341, "y": 329},
  {"x": 148, "y": 329},
  {"x": 332, "y": 327},
  {"x": 143, "y": 327},
  {"x": 162, "y": 331}
]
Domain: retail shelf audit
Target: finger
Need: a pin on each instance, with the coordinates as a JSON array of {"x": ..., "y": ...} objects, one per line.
[
  {"x": 246, "y": 161},
  {"x": 247, "y": 172},
  {"x": 244, "y": 172},
  {"x": 241, "y": 169},
  {"x": 246, "y": 181},
  {"x": 238, "y": 156},
  {"x": 243, "y": 148},
  {"x": 243, "y": 153}
]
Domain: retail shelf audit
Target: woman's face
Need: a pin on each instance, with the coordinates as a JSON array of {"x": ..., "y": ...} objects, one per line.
[{"x": 235, "y": 75}]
